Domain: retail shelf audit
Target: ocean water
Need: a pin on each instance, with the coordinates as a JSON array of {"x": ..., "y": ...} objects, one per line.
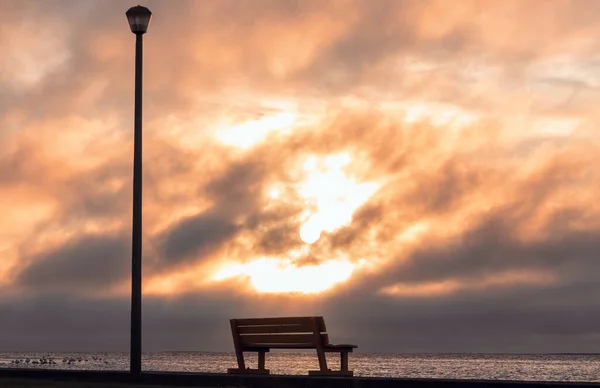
[{"x": 563, "y": 367}]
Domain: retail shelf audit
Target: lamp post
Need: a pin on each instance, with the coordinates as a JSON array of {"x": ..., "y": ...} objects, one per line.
[{"x": 138, "y": 18}]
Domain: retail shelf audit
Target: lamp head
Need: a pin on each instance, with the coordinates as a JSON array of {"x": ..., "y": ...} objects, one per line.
[{"x": 138, "y": 18}]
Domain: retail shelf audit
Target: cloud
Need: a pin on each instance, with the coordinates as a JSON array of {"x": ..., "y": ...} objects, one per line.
[
  {"x": 233, "y": 195},
  {"x": 517, "y": 319},
  {"x": 189, "y": 322},
  {"x": 474, "y": 122},
  {"x": 198, "y": 236},
  {"x": 85, "y": 264}
]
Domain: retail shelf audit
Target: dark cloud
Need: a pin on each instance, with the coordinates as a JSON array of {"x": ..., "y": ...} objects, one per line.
[
  {"x": 556, "y": 317},
  {"x": 518, "y": 319},
  {"x": 235, "y": 194},
  {"x": 198, "y": 236},
  {"x": 441, "y": 190},
  {"x": 64, "y": 323},
  {"x": 91, "y": 194},
  {"x": 84, "y": 264},
  {"x": 189, "y": 322},
  {"x": 241, "y": 183},
  {"x": 493, "y": 247},
  {"x": 278, "y": 239}
]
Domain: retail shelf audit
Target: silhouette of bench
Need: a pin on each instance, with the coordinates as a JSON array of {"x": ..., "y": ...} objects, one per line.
[{"x": 260, "y": 335}]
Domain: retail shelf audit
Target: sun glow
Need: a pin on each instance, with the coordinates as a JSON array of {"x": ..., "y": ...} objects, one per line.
[
  {"x": 269, "y": 275},
  {"x": 250, "y": 133},
  {"x": 331, "y": 196}
]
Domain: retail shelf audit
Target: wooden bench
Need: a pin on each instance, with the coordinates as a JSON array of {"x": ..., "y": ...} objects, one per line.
[{"x": 263, "y": 334}]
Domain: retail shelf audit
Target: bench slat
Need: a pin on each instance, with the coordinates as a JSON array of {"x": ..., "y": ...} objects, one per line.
[
  {"x": 282, "y": 321},
  {"x": 327, "y": 349},
  {"x": 293, "y": 339},
  {"x": 256, "y": 348},
  {"x": 304, "y": 327}
]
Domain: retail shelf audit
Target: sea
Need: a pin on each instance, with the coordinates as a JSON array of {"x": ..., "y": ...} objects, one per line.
[{"x": 532, "y": 367}]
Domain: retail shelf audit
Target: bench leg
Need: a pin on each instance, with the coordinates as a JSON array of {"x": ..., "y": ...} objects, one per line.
[
  {"x": 240, "y": 359},
  {"x": 322, "y": 360},
  {"x": 261, "y": 360},
  {"x": 342, "y": 372},
  {"x": 260, "y": 370},
  {"x": 344, "y": 361}
]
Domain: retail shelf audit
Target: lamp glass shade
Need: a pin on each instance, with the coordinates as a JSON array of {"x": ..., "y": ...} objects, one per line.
[{"x": 138, "y": 18}]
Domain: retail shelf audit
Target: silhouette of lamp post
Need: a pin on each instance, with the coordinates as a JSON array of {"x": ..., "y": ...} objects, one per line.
[{"x": 138, "y": 18}]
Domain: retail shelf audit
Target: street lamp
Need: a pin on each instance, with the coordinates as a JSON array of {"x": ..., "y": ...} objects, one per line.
[{"x": 138, "y": 18}]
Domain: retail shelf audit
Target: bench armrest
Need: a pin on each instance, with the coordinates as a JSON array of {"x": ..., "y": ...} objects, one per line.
[{"x": 340, "y": 347}]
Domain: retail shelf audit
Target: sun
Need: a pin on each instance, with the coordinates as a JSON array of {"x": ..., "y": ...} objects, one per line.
[
  {"x": 330, "y": 197},
  {"x": 310, "y": 231}
]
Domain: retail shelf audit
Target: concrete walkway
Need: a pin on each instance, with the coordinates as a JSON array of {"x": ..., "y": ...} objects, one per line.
[
  {"x": 30, "y": 383},
  {"x": 40, "y": 378}
]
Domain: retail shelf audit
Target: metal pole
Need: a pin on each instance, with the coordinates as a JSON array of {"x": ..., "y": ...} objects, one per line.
[{"x": 136, "y": 257}]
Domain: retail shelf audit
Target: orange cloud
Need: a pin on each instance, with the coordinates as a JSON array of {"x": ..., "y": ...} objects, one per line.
[{"x": 303, "y": 148}]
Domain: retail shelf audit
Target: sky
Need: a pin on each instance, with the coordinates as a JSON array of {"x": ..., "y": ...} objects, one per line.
[{"x": 423, "y": 174}]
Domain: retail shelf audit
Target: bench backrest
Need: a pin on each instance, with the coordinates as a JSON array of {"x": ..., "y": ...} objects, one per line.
[{"x": 294, "y": 331}]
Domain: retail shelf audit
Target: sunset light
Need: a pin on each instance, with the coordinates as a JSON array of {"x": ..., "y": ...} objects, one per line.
[
  {"x": 249, "y": 133},
  {"x": 423, "y": 173},
  {"x": 282, "y": 276},
  {"x": 331, "y": 196},
  {"x": 428, "y": 289}
]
